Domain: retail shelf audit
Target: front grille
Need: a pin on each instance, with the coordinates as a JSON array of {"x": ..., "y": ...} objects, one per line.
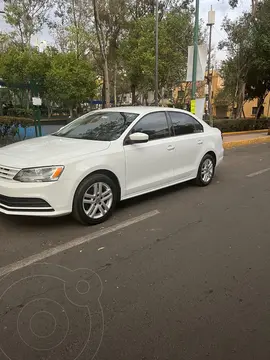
[
  {"x": 24, "y": 204},
  {"x": 8, "y": 173}
]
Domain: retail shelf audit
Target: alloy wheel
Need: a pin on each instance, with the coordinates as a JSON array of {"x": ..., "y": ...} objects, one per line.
[
  {"x": 207, "y": 170},
  {"x": 97, "y": 200}
]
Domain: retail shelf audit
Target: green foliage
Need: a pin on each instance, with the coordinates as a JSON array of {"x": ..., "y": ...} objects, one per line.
[
  {"x": 60, "y": 78},
  {"x": 20, "y": 113},
  {"x": 138, "y": 50},
  {"x": 27, "y": 18},
  {"x": 240, "y": 125},
  {"x": 21, "y": 67},
  {"x": 13, "y": 120},
  {"x": 70, "y": 80},
  {"x": 258, "y": 77},
  {"x": 246, "y": 71}
]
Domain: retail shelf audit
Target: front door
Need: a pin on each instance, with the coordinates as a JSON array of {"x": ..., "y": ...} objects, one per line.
[{"x": 150, "y": 165}]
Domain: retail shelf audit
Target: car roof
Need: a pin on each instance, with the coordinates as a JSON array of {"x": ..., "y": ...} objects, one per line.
[{"x": 140, "y": 109}]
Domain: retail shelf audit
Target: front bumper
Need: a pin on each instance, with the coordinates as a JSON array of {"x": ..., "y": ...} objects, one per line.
[{"x": 35, "y": 199}]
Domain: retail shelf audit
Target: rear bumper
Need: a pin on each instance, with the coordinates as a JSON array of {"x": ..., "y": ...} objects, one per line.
[{"x": 220, "y": 157}]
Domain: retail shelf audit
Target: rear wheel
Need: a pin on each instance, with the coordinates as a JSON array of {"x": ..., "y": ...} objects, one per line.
[
  {"x": 206, "y": 171},
  {"x": 95, "y": 200}
]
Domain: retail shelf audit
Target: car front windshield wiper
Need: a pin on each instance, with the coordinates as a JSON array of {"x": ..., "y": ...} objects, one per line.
[{"x": 77, "y": 137}]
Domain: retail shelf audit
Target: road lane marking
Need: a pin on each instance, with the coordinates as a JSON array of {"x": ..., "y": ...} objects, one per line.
[
  {"x": 74, "y": 243},
  {"x": 258, "y": 172}
]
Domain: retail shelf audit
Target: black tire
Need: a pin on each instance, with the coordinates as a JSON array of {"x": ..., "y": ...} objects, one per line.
[
  {"x": 200, "y": 180},
  {"x": 78, "y": 210}
]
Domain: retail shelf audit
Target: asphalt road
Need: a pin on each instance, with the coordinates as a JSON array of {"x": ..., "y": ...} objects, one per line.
[{"x": 179, "y": 274}]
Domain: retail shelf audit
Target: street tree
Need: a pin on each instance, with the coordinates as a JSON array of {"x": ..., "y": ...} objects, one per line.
[
  {"x": 73, "y": 26},
  {"x": 110, "y": 17},
  {"x": 19, "y": 69},
  {"x": 26, "y": 18},
  {"x": 239, "y": 57},
  {"x": 246, "y": 70},
  {"x": 258, "y": 76},
  {"x": 70, "y": 81},
  {"x": 235, "y": 3},
  {"x": 138, "y": 51}
]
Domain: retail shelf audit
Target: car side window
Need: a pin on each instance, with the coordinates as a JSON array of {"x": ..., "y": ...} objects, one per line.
[
  {"x": 155, "y": 125},
  {"x": 184, "y": 124}
]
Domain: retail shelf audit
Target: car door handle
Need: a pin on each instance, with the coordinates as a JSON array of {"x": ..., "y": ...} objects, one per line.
[
  {"x": 200, "y": 142},
  {"x": 170, "y": 148}
]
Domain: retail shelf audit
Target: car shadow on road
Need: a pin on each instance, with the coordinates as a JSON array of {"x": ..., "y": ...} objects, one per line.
[
  {"x": 69, "y": 222},
  {"x": 36, "y": 222},
  {"x": 154, "y": 196}
]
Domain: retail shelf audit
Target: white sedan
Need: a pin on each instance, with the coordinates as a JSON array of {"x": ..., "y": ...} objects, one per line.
[{"x": 106, "y": 156}]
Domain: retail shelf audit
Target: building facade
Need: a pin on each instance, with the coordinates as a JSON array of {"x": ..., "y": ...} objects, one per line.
[{"x": 182, "y": 96}]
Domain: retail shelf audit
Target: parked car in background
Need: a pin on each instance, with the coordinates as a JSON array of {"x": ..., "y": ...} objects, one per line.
[{"x": 104, "y": 157}]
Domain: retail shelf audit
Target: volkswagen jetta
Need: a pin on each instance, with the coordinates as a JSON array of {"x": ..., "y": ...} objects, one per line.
[{"x": 104, "y": 157}]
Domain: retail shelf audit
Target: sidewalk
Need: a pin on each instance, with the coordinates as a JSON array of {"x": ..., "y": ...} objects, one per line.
[{"x": 231, "y": 141}]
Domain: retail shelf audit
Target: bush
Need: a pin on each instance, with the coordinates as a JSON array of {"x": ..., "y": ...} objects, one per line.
[
  {"x": 20, "y": 112},
  {"x": 240, "y": 125},
  {"x": 9, "y": 127}
]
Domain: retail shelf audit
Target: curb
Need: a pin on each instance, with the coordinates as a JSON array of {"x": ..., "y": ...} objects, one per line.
[
  {"x": 245, "y": 132},
  {"x": 232, "y": 144}
]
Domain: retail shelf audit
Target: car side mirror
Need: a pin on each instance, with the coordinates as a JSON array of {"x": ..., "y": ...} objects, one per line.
[{"x": 138, "y": 138}]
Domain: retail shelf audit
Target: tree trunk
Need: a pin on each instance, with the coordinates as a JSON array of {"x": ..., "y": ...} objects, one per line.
[
  {"x": 260, "y": 106},
  {"x": 268, "y": 111},
  {"x": 28, "y": 99},
  {"x": 71, "y": 112},
  {"x": 163, "y": 97},
  {"x": 133, "y": 91},
  {"x": 121, "y": 100},
  {"x": 107, "y": 84},
  {"x": 115, "y": 86},
  {"x": 103, "y": 51},
  {"x": 241, "y": 98},
  {"x": 254, "y": 7},
  {"x": 103, "y": 94},
  {"x": 49, "y": 111},
  {"x": 243, "y": 112}
]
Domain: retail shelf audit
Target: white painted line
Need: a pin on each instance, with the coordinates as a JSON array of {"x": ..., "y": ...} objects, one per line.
[
  {"x": 73, "y": 243},
  {"x": 258, "y": 173}
]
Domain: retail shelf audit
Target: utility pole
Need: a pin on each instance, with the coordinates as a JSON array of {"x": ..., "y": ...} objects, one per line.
[
  {"x": 211, "y": 23},
  {"x": 195, "y": 54},
  {"x": 157, "y": 54}
]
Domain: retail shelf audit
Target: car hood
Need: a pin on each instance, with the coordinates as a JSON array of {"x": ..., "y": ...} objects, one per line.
[{"x": 48, "y": 150}]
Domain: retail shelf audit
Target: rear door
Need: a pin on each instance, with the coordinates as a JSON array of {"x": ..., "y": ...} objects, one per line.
[
  {"x": 150, "y": 165},
  {"x": 189, "y": 142}
]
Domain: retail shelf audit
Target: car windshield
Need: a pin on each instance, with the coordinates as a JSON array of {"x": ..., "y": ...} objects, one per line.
[{"x": 101, "y": 126}]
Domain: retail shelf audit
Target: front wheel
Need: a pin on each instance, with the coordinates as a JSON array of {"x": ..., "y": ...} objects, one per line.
[
  {"x": 206, "y": 171},
  {"x": 94, "y": 200}
]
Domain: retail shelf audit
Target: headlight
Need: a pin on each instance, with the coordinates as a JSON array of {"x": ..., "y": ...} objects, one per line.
[{"x": 41, "y": 174}]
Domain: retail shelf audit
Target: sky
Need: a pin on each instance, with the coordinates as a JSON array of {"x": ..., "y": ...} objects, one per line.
[{"x": 221, "y": 8}]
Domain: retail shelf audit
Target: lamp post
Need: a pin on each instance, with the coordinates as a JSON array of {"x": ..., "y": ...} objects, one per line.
[
  {"x": 157, "y": 53},
  {"x": 211, "y": 23}
]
